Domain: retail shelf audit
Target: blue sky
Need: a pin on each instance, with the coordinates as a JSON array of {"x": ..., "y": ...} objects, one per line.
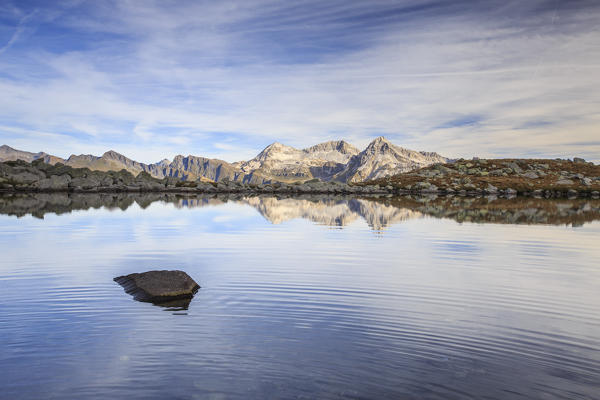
[{"x": 152, "y": 79}]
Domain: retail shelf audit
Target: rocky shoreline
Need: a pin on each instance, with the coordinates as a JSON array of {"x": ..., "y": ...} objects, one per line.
[
  {"x": 460, "y": 178},
  {"x": 504, "y": 177}
]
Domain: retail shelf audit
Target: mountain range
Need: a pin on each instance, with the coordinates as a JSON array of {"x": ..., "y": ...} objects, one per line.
[{"x": 329, "y": 161}]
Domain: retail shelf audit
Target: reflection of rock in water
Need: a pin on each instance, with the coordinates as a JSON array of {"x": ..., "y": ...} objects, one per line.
[
  {"x": 328, "y": 210},
  {"x": 501, "y": 210},
  {"x": 172, "y": 289},
  {"x": 61, "y": 203},
  {"x": 175, "y": 305}
]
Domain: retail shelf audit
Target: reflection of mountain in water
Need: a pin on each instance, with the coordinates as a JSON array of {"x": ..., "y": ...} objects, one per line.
[{"x": 329, "y": 210}]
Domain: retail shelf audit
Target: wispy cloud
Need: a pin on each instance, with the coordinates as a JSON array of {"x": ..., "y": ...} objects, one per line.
[
  {"x": 20, "y": 28},
  {"x": 222, "y": 77}
]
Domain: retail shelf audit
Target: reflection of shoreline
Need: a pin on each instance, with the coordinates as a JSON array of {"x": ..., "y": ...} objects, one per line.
[
  {"x": 378, "y": 212},
  {"x": 520, "y": 210}
]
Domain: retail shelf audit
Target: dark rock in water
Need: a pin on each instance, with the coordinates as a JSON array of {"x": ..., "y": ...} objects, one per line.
[{"x": 159, "y": 287}]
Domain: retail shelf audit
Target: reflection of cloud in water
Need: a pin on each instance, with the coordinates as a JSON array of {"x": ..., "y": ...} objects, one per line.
[{"x": 378, "y": 213}]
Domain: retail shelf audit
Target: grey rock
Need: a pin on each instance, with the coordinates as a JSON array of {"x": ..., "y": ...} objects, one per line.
[
  {"x": 25, "y": 177},
  {"x": 54, "y": 183},
  {"x": 442, "y": 169},
  {"x": 431, "y": 189},
  {"x": 144, "y": 176},
  {"x": 530, "y": 175},
  {"x": 429, "y": 173},
  {"x": 159, "y": 286},
  {"x": 578, "y": 160},
  {"x": 564, "y": 182},
  {"x": 151, "y": 186},
  {"x": 491, "y": 188},
  {"x": 515, "y": 167},
  {"x": 170, "y": 181},
  {"x": 84, "y": 183}
]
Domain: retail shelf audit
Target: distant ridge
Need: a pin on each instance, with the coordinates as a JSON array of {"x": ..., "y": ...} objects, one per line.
[
  {"x": 7, "y": 153},
  {"x": 333, "y": 160}
]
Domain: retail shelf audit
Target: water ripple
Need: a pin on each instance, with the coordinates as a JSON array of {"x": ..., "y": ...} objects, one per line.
[{"x": 431, "y": 309}]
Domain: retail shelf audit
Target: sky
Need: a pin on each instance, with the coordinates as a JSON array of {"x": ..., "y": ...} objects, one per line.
[{"x": 153, "y": 79}]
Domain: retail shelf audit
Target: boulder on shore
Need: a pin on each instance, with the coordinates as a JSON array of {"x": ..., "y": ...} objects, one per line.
[{"x": 159, "y": 286}]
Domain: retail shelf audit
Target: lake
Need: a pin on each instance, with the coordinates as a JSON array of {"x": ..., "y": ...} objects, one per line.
[{"x": 307, "y": 297}]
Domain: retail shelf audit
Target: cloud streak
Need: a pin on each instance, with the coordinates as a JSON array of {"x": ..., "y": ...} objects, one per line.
[
  {"x": 18, "y": 31},
  {"x": 191, "y": 76}
]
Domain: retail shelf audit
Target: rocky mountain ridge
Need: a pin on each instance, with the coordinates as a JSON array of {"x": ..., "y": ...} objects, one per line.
[
  {"x": 547, "y": 178},
  {"x": 329, "y": 161},
  {"x": 9, "y": 154},
  {"x": 380, "y": 157}
]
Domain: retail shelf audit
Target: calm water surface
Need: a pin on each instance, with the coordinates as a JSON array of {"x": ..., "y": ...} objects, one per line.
[{"x": 301, "y": 298}]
